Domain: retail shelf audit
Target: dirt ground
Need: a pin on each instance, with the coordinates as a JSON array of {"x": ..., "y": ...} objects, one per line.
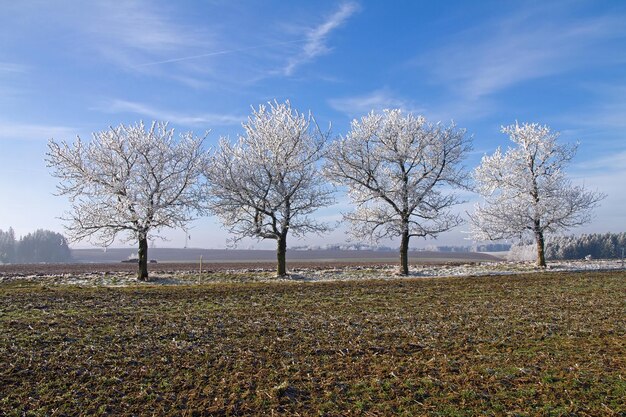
[
  {"x": 163, "y": 268},
  {"x": 550, "y": 344},
  {"x": 124, "y": 274}
]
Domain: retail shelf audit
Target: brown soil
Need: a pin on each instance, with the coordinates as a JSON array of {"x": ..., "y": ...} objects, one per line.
[{"x": 84, "y": 268}]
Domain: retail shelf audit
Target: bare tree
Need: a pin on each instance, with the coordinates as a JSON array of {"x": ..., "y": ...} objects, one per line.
[
  {"x": 396, "y": 168},
  {"x": 267, "y": 184},
  {"x": 129, "y": 180},
  {"x": 526, "y": 190}
]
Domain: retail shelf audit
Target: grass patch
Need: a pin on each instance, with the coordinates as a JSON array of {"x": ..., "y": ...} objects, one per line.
[{"x": 540, "y": 344}]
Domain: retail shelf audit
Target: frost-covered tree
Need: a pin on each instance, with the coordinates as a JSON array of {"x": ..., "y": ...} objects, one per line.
[
  {"x": 266, "y": 184},
  {"x": 129, "y": 180},
  {"x": 399, "y": 170},
  {"x": 526, "y": 191}
]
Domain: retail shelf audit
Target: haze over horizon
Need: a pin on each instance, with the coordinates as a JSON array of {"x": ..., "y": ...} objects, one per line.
[{"x": 73, "y": 68}]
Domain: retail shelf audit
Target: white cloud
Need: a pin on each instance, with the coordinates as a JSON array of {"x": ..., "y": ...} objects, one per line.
[
  {"x": 9, "y": 73},
  {"x": 130, "y": 32},
  {"x": 376, "y": 100},
  {"x": 155, "y": 39},
  {"x": 603, "y": 165},
  {"x": 610, "y": 215},
  {"x": 203, "y": 120},
  {"x": 316, "y": 37},
  {"x": 605, "y": 173},
  {"x": 26, "y": 131},
  {"x": 221, "y": 52},
  {"x": 10, "y": 67},
  {"x": 487, "y": 59},
  {"x": 606, "y": 112},
  {"x": 123, "y": 34}
]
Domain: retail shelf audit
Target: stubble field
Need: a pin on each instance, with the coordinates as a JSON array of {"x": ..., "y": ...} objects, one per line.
[{"x": 530, "y": 344}]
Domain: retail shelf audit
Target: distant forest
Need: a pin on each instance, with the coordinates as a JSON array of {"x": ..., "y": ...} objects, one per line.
[
  {"x": 485, "y": 247},
  {"x": 594, "y": 245},
  {"x": 47, "y": 246},
  {"x": 598, "y": 246},
  {"x": 39, "y": 246}
]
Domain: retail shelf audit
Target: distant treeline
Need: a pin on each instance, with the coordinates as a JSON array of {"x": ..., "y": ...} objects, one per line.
[
  {"x": 599, "y": 246},
  {"x": 39, "y": 246},
  {"x": 486, "y": 247},
  {"x": 596, "y": 245},
  {"x": 343, "y": 246}
]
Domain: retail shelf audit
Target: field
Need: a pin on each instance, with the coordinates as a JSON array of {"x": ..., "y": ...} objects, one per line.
[
  {"x": 269, "y": 256},
  {"x": 530, "y": 344}
]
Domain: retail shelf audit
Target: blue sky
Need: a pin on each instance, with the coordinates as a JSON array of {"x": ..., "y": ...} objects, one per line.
[{"x": 70, "y": 68}]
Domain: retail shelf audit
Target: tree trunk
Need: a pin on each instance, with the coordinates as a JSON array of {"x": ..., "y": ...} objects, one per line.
[
  {"x": 142, "y": 274},
  {"x": 281, "y": 255},
  {"x": 404, "y": 253},
  {"x": 541, "y": 256}
]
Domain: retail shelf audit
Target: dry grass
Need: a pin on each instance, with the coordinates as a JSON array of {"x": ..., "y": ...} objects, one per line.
[{"x": 540, "y": 344}]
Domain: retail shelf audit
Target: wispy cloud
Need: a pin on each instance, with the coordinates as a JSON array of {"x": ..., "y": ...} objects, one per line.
[
  {"x": 606, "y": 174},
  {"x": 317, "y": 37},
  {"x": 10, "y": 67},
  {"x": 28, "y": 131},
  {"x": 613, "y": 162},
  {"x": 132, "y": 32},
  {"x": 221, "y": 52},
  {"x": 598, "y": 123},
  {"x": 376, "y": 100},
  {"x": 606, "y": 112},
  {"x": 487, "y": 59},
  {"x": 155, "y": 39},
  {"x": 380, "y": 99},
  {"x": 205, "y": 120},
  {"x": 117, "y": 35},
  {"x": 9, "y": 73}
]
